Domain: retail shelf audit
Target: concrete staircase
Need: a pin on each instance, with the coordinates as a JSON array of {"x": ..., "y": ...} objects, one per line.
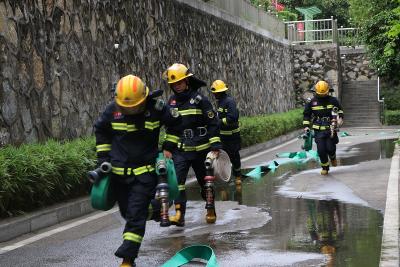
[{"x": 360, "y": 104}]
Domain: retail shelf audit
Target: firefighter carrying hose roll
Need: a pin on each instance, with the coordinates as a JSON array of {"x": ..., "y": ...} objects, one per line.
[
  {"x": 318, "y": 115},
  {"x": 190, "y": 142},
  {"x": 127, "y": 135},
  {"x": 228, "y": 116}
]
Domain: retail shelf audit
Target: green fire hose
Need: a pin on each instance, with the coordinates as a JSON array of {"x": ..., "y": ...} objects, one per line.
[
  {"x": 102, "y": 195},
  {"x": 173, "y": 190},
  {"x": 187, "y": 254}
]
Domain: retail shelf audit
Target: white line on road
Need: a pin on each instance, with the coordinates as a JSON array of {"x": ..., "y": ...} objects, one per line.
[
  {"x": 55, "y": 231},
  {"x": 269, "y": 150},
  {"x": 390, "y": 236}
]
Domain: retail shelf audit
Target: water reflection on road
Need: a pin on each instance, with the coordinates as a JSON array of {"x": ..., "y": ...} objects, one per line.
[{"x": 347, "y": 234}]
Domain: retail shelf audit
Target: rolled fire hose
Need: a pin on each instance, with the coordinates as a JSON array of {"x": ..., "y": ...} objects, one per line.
[
  {"x": 187, "y": 254},
  {"x": 102, "y": 197},
  {"x": 173, "y": 190}
]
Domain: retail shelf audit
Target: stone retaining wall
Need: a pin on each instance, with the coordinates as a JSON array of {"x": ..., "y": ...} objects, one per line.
[
  {"x": 313, "y": 63},
  {"x": 58, "y": 59}
]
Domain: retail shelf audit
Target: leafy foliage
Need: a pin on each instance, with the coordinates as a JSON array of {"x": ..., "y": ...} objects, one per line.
[
  {"x": 362, "y": 10},
  {"x": 264, "y": 4},
  {"x": 382, "y": 36},
  {"x": 287, "y": 15},
  {"x": 36, "y": 175},
  {"x": 258, "y": 129},
  {"x": 392, "y": 98},
  {"x": 392, "y": 117},
  {"x": 339, "y": 9}
]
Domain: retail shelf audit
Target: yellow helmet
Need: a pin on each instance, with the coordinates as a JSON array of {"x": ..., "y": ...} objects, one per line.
[
  {"x": 322, "y": 88},
  {"x": 130, "y": 91},
  {"x": 176, "y": 72},
  {"x": 218, "y": 86}
]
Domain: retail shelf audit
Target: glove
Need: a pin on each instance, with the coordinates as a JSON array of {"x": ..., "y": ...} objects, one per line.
[
  {"x": 340, "y": 122},
  {"x": 167, "y": 154},
  {"x": 215, "y": 152}
]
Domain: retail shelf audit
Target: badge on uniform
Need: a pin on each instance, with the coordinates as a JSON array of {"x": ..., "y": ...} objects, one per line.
[
  {"x": 174, "y": 112},
  {"x": 147, "y": 113},
  {"x": 191, "y": 101},
  {"x": 117, "y": 115},
  {"x": 210, "y": 114}
]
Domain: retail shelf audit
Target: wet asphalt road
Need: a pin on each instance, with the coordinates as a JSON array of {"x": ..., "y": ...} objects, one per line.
[{"x": 293, "y": 217}]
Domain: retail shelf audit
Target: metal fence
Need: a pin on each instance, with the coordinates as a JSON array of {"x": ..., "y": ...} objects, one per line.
[
  {"x": 245, "y": 10},
  {"x": 349, "y": 36},
  {"x": 321, "y": 31}
]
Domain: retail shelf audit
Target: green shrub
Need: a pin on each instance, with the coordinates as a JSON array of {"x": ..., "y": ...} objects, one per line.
[
  {"x": 258, "y": 129},
  {"x": 287, "y": 15},
  {"x": 36, "y": 175},
  {"x": 392, "y": 117},
  {"x": 392, "y": 98}
]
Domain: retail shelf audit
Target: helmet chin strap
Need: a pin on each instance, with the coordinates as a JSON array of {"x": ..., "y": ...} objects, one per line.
[
  {"x": 321, "y": 96},
  {"x": 133, "y": 110}
]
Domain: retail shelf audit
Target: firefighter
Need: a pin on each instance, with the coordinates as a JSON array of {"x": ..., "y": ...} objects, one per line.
[
  {"x": 127, "y": 135},
  {"x": 318, "y": 112},
  {"x": 326, "y": 227},
  {"x": 228, "y": 117},
  {"x": 190, "y": 142}
]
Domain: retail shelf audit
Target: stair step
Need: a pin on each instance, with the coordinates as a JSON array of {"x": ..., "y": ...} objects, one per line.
[
  {"x": 360, "y": 103},
  {"x": 366, "y": 109},
  {"x": 363, "y": 115},
  {"x": 360, "y": 122},
  {"x": 362, "y": 94},
  {"x": 361, "y": 109},
  {"x": 352, "y": 109},
  {"x": 360, "y": 119}
]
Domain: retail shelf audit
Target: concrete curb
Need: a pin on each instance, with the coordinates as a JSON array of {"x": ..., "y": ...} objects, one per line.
[
  {"x": 14, "y": 227},
  {"x": 390, "y": 233}
]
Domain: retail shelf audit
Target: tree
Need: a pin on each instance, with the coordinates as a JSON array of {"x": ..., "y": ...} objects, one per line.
[
  {"x": 382, "y": 37},
  {"x": 336, "y": 8},
  {"x": 363, "y": 10}
]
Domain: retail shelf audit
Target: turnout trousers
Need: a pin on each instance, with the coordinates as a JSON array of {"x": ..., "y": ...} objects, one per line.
[
  {"x": 326, "y": 147},
  {"x": 134, "y": 201},
  {"x": 183, "y": 161},
  {"x": 232, "y": 148}
]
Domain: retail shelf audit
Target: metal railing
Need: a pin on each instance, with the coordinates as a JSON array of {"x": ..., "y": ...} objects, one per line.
[
  {"x": 311, "y": 31},
  {"x": 320, "y": 31},
  {"x": 256, "y": 15},
  {"x": 349, "y": 36},
  {"x": 381, "y": 102}
]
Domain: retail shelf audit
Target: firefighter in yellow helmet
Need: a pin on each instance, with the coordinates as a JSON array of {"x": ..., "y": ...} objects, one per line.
[
  {"x": 127, "y": 135},
  {"x": 228, "y": 116},
  {"x": 326, "y": 225},
  {"x": 321, "y": 113},
  {"x": 190, "y": 142}
]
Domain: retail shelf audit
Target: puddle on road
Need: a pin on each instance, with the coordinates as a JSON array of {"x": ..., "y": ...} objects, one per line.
[
  {"x": 347, "y": 234},
  {"x": 381, "y": 149}
]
